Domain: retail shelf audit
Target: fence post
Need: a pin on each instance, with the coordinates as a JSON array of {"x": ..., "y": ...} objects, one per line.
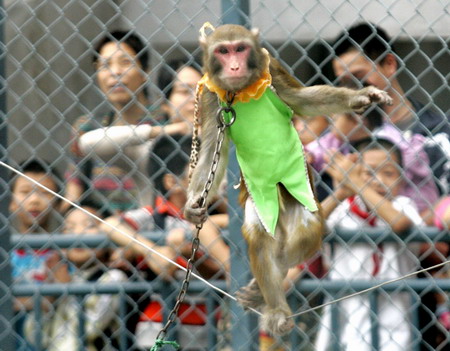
[
  {"x": 236, "y": 12},
  {"x": 6, "y": 329},
  {"x": 244, "y": 331}
]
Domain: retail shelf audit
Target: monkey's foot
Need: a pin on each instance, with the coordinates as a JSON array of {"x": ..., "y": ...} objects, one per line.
[
  {"x": 250, "y": 296},
  {"x": 276, "y": 322}
]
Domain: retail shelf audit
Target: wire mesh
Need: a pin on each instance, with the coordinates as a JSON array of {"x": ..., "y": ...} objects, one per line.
[{"x": 107, "y": 126}]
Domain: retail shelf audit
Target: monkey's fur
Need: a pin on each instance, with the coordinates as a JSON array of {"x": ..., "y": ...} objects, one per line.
[{"x": 233, "y": 59}]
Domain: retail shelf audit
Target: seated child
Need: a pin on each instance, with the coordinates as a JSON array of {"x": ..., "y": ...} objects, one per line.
[
  {"x": 33, "y": 210},
  {"x": 101, "y": 311},
  {"x": 60, "y": 324},
  {"x": 169, "y": 166},
  {"x": 367, "y": 194}
]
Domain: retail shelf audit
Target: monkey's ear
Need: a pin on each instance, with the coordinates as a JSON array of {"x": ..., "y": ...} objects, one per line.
[
  {"x": 255, "y": 32},
  {"x": 266, "y": 57},
  {"x": 203, "y": 34}
]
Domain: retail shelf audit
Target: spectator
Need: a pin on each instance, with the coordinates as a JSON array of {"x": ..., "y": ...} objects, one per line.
[
  {"x": 178, "y": 80},
  {"x": 442, "y": 309},
  {"x": 364, "y": 56},
  {"x": 434, "y": 334},
  {"x": 111, "y": 151},
  {"x": 367, "y": 194},
  {"x": 132, "y": 222},
  {"x": 350, "y": 128},
  {"x": 169, "y": 169},
  {"x": 60, "y": 328},
  {"x": 89, "y": 265},
  {"x": 311, "y": 128},
  {"x": 442, "y": 209},
  {"x": 33, "y": 210}
]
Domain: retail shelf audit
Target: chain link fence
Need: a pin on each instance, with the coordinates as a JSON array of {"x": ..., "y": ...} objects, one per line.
[{"x": 70, "y": 98}]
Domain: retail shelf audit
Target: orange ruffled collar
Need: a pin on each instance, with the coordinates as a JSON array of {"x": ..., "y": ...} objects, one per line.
[{"x": 254, "y": 91}]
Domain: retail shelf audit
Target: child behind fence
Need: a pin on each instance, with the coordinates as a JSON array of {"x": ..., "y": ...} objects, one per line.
[
  {"x": 169, "y": 168},
  {"x": 367, "y": 195},
  {"x": 33, "y": 211},
  {"x": 60, "y": 325}
]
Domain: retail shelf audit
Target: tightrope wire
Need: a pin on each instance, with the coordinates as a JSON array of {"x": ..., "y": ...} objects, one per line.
[
  {"x": 118, "y": 230},
  {"x": 377, "y": 286}
]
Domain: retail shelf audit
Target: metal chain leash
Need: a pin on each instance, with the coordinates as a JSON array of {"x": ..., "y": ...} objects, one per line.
[
  {"x": 221, "y": 125},
  {"x": 193, "y": 158}
]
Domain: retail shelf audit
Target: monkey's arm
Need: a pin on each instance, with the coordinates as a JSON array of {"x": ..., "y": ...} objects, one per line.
[
  {"x": 322, "y": 99},
  {"x": 193, "y": 212}
]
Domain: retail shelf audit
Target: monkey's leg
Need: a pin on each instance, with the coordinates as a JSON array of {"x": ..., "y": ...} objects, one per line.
[
  {"x": 304, "y": 230},
  {"x": 269, "y": 268}
]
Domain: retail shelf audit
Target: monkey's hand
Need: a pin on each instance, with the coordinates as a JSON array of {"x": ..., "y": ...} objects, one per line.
[
  {"x": 366, "y": 96},
  {"x": 193, "y": 212}
]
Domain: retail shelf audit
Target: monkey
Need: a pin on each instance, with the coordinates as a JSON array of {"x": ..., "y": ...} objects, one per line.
[{"x": 283, "y": 225}]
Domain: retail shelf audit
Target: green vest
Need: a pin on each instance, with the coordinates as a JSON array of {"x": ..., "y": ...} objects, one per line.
[{"x": 269, "y": 152}]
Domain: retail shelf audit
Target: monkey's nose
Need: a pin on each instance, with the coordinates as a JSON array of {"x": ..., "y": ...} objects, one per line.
[{"x": 234, "y": 68}]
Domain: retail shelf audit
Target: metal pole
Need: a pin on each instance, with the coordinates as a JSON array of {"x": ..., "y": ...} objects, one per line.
[
  {"x": 244, "y": 333},
  {"x": 236, "y": 12},
  {"x": 335, "y": 327},
  {"x": 374, "y": 325},
  {"x": 6, "y": 313}
]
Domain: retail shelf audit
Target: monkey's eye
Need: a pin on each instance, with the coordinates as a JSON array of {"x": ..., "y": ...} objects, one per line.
[
  {"x": 240, "y": 48},
  {"x": 223, "y": 50}
]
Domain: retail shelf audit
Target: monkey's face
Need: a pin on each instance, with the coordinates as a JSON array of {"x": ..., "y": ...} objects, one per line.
[
  {"x": 232, "y": 57},
  {"x": 232, "y": 64}
]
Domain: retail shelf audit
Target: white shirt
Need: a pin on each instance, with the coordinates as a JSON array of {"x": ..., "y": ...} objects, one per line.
[{"x": 356, "y": 261}]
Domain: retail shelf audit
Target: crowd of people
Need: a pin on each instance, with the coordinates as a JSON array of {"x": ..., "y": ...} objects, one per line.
[{"x": 387, "y": 168}]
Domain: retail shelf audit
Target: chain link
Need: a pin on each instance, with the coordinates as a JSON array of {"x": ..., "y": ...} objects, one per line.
[
  {"x": 193, "y": 159},
  {"x": 196, "y": 240}
]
